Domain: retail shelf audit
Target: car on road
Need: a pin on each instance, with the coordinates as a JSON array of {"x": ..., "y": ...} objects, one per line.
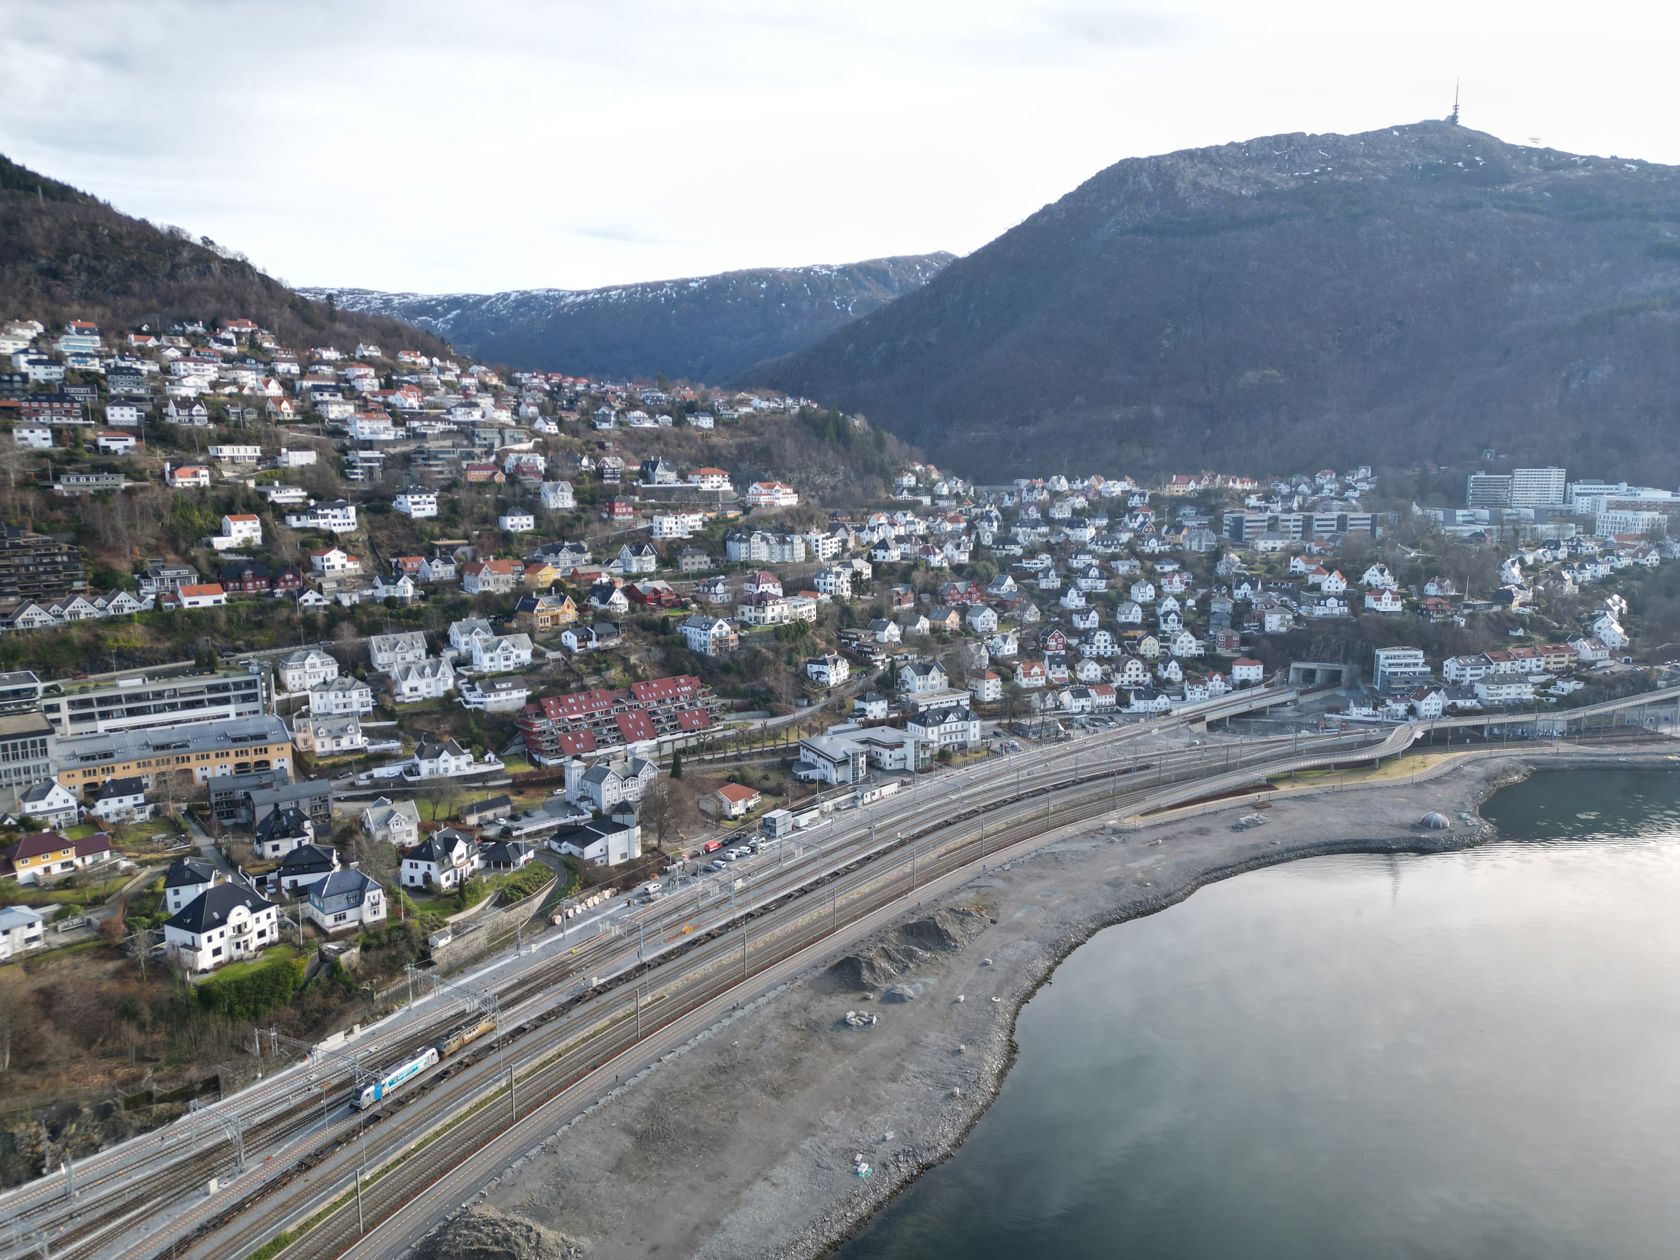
[{"x": 717, "y": 864}]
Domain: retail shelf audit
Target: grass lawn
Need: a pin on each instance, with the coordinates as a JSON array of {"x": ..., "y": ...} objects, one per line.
[
  {"x": 15, "y": 894},
  {"x": 234, "y": 970}
]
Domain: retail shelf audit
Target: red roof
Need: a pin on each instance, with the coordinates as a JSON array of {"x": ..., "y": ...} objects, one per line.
[
  {"x": 635, "y": 727},
  {"x": 99, "y": 842},
  {"x": 34, "y": 844},
  {"x": 693, "y": 719},
  {"x": 661, "y": 690},
  {"x": 575, "y": 704},
  {"x": 576, "y": 743},
  {"x": 735, "y": 792}
]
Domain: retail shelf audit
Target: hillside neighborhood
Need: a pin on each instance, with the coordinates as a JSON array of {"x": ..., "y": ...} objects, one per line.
[{"x": 387, "y": 644}]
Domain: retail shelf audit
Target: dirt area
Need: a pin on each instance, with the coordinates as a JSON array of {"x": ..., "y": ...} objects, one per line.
[
  {"x": 483, "y": 1233},
  {"x": 746, "y": 1143}
]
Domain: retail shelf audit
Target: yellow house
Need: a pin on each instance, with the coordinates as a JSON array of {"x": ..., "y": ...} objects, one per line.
[
  {"x": 40, "y": 856},
  {"x": 541, "y": 576},
  {"x": 548, "y": 612}
]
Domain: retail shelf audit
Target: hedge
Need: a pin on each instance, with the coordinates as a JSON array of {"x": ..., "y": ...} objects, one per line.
[{"x": 251, "y": 993}]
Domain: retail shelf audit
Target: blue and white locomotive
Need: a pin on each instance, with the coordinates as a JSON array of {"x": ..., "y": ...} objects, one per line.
[{"x": 421, "y": 1061}]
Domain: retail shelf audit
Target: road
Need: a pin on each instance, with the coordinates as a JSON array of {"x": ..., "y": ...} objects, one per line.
[{"x": 676, "y": 951}]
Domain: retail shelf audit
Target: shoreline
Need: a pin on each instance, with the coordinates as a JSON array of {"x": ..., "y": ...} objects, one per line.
[{"x": 746, "y": 1147}]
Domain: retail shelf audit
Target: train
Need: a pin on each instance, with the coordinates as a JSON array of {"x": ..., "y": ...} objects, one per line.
[{"x": 422, "y": 1060}]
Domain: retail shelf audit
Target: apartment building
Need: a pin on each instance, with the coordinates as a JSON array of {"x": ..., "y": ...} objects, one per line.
[{"x": 143, "y": 701}]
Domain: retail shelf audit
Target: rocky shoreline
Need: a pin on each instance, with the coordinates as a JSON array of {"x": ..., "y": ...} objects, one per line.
[{"x": 746, "y": 1143}]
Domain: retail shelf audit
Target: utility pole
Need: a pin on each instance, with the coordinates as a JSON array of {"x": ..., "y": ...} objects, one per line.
[{"x": 513, "y": 1088}]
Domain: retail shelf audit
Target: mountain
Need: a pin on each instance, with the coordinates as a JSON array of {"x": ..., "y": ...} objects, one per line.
[
  {"x": 702, "y": 329},
  {"x": 1415, "y": 293},
  {"x": 65, "y": 254}
]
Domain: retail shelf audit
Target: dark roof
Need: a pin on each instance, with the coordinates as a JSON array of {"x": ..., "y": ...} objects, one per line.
[
  {"x": 134, "y": 785},
  {"x": 308, "y": 857},
  {"x": 36, "y": 844},
  {"x": 99, "y": 842},
  {"x": 282, "y": 822},
  {"x": 186, "y": 870},
  {"x": 350, "y": 884},
  {"x": 210, "y": 909},
  {"x": 503, "y": 852}
]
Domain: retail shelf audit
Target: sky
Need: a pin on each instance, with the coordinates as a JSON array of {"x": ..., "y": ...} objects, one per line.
[{"x": 497, "y": 144}]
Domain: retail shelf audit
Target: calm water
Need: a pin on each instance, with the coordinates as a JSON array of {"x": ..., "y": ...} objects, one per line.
[{"x": 1474, "y": 1055}]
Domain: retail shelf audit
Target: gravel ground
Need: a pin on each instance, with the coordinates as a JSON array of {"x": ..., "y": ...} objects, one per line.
[{"x": 744, "y": 1144}]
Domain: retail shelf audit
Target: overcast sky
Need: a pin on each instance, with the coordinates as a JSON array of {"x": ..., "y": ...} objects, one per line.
[{"x": 498, "y": 144}]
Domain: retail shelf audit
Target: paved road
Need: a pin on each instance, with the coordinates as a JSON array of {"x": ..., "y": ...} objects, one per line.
[{"x": 654, "y": 931}]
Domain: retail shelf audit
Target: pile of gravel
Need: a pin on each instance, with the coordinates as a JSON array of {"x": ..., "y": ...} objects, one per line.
[
  {"x": 481, "y": 1232},
  {"x": 890, "y": 954}
]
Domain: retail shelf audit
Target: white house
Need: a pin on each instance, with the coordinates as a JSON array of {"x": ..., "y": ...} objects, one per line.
[
  {"x": 392, "y": 822},
  {"x": 608, "y": 784},
  {"x": 920, "y": 677},
  {"x": 441, "y": 760},
  {"x": 500, "y": 653},
  {"x": 121, "y": 801},
  {"x": 328, "y": 735},
  {"x": 430, "y": 679},
  {"x": 604, "y": 843},
  {"x": 954, "y": 727},
  {"x": 829, "y": 670},
  {"x": 386, "y": 652},
  {"x": 243, "y": 529},
  {"x": 21, "y": 930},
  {"x": 336, "y": 516},
  {"x": 225, "y": 923},
  {"x": 986, "y": 687},
  {"x": 280, "y": 831},
  {"x": 417, "y": 503},
  {"x": 517, "y": 520},
  {"x": 557, "y": 496},
  {"x": 708, "y": 635},
  {"x": 774, "y": 494},
  {"x": 50, "y": 803},
  {"x": 443, "y": 860},
  {"x": 345, "y": 901},
  {"x": 186, "y": 878}
]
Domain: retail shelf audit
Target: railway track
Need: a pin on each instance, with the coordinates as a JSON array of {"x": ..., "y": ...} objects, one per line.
[
  {"x": 669, "y": 1000},
  {"x": 89, "y": 1230}
]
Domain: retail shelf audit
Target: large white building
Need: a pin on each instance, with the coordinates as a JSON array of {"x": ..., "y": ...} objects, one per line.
[
  {"x": 223, "y": 924},
  {"x": 1539, "y": 487}
]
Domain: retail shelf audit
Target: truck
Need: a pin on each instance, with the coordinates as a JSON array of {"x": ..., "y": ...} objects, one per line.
[{"x": 777, "y": 823}]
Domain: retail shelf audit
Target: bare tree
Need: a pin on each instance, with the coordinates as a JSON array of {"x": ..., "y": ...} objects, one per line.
[{"x": 667, "y": 806}]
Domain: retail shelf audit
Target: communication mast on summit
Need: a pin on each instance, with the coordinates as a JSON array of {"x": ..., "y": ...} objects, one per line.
[{"x": 1453, "y": 117}]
